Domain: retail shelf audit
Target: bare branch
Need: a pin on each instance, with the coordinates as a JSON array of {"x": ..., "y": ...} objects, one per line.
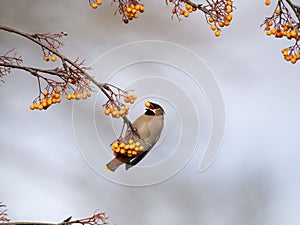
[
  {"x": 72, "y": 72},
  {"x": 98, "y": 218},
  {"x": 3, "y": 214}
]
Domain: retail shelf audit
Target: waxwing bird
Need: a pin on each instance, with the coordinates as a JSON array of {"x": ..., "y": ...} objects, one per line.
[{"x": 149, "y": 127}]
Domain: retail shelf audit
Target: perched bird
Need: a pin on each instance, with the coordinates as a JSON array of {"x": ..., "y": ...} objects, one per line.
[{"x": 149, "y": 127}]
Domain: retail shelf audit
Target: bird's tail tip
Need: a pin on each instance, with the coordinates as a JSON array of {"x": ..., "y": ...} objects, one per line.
[
  {"x": 128, "y": 166},
  {"x": 107, "y": 169}
]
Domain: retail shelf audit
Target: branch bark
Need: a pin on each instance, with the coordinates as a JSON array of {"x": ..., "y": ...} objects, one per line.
[{"x": 64, "y": 60}]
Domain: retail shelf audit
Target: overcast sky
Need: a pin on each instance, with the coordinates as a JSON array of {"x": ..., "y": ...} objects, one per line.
[{"x": 51, "y": 162}]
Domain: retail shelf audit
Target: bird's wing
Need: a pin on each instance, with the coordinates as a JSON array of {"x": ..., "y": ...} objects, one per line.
[{"x": 136, "y": 160}]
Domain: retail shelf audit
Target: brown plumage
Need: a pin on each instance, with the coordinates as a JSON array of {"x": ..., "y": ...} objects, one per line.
[{"x": 149, "y": 127}]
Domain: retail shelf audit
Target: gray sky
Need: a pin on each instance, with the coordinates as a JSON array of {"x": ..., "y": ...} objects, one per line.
[{"x": 255, "y": 178}]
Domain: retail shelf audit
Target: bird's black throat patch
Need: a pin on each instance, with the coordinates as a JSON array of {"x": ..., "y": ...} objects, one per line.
[{"x": 149, "y": 112}]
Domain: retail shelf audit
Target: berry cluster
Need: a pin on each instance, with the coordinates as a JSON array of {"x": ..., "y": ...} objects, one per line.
[
  {"x": 292, "y": 53},
  {"x": 275, "y": 26},
  {"x": 130, "y": 98},
  {"x": 95, "y": 3},
  {"x": 180, "y": 11},
  {"x": 79, "y": 95},
  {"x": 116, "y": 104},
  {"x": 281, "y": 24},
  {"x": 115, "y": 112},
  {"x": 123, "y": 109},
  {"x": 132, "y": 11},
  {"x": 129, "y": 148},
  {"x": 46, "y": 101},
  {"x": 220, "y": 15}
]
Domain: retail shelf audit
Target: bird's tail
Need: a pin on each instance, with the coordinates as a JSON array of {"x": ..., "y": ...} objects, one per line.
[{"x": 113, "y": 165}]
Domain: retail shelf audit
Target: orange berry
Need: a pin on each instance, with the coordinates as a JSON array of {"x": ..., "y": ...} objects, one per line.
[
  {"x": 106, "y": 111},
  {"x": 99, "y": 2},
  {"x": 217, "y": 33},
  {"x": 293, "y": 60},
  {"x": 78, "y": 96},
  {"x": 187, "y": 6},
  {"x": 267, "y": 2},
  {"x": 53, "y": 58},
  {"x": 40, "y": 107},
  {"x": 277, "y": 11},
  {"x": 186, "y": 14},
  {"x": 115, "y": 113},
  {"x": 228, "y": 9},
  {"x": 293, "y": 33},
  {"x": 229, "y": 17},
  {"x": 289, "y": 25},
  {"x": 49, "y": 101},
  {"x": 136, "y": 15},
  {"x": 44, "y": 103},
  {"x": 226, "y": 23},
  {"x": 268, "y": 32},
  {"x": 32, "y": 107},
  {"x": 270, "y": 23},
  {"x": 46, "y": 58},
  {"x": 229, "y": 3},
  {"x": 88, "y": 94},
  {"x": 284, "y": 52},
  {"x": 94, "y": 6},
  {"x": 116, "y": 144},
  {"x": 210, "y": 19},
  {"x": 273, "y": 31},
  {"x": 278, "y": 34},
  {"x": 69, "y": 96},
  {"x": 122, "y": 112},
  {"x": 137, "y": 7},
  {"x": 128, "y": 9},
  {"x": 142, "y": 9},
  {"x": 134, "y": 152},
  {"x": 288, "y": 57},
  {"x": 213, "y": 27}
]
